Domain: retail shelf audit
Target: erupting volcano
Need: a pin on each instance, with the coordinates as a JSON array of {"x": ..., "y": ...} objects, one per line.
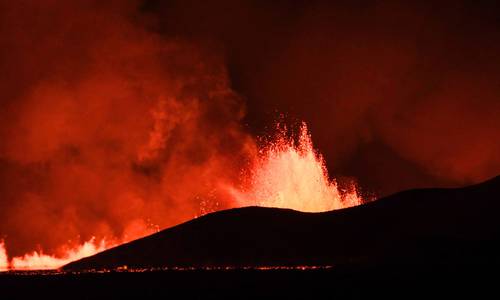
[
  {"x": 286, "y": 174},
  {"x": 239, "y": 136}
]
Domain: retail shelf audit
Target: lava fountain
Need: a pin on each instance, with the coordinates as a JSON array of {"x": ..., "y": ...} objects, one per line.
[{"x": 293, "y": 175}]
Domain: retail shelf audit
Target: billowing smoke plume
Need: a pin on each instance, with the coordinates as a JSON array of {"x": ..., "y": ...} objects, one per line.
[{"x": 107, "y": 129}]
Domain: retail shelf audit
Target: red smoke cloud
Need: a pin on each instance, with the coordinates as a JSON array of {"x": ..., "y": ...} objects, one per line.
[{"x": 108, "y": 129}]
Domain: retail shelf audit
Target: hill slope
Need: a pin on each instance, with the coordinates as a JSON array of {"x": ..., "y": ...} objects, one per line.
[{"x": 427, "y": 225}]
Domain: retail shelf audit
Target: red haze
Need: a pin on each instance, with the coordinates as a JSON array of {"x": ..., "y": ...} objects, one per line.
[{"x": 108, "y": 129}]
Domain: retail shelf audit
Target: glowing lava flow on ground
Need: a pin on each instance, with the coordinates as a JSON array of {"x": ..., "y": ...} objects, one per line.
[
  {"x": 293, "y": 175},
  {"x": 4, "y": 263},
  {"x": 286, "y": 174},
  {"x": 40, "y": 261}
]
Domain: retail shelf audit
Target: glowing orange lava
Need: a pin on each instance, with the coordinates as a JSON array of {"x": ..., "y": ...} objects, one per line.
[
  {"x": 40, "y": 261},
  {"x": 4, "y": 263},
  {"x": 293, "y": 175}
]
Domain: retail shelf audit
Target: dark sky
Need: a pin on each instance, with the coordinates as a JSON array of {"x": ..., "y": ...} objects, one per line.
[
  {"x": 397, "y": 94},
  {"x": 119, "y": 115}
]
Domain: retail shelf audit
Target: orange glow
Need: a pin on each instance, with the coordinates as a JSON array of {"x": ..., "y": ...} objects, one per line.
[
  {"x": 4, "y": 263},
  {"x": 290, "y": 175},
  {"x": 40, "y": 261}
]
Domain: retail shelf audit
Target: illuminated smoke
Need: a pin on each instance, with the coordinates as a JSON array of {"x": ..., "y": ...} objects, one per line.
[{"x": 108, "y": 130}]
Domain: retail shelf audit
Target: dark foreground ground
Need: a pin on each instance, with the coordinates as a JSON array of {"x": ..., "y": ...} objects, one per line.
[{"x": 476, "y": 281}]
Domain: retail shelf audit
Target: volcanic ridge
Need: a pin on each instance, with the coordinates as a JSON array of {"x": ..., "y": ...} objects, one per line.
[{"x": 436, "y": 225}]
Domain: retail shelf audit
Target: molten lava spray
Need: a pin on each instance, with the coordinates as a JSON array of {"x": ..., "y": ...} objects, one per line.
[{"x": 290, "y": 175}]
